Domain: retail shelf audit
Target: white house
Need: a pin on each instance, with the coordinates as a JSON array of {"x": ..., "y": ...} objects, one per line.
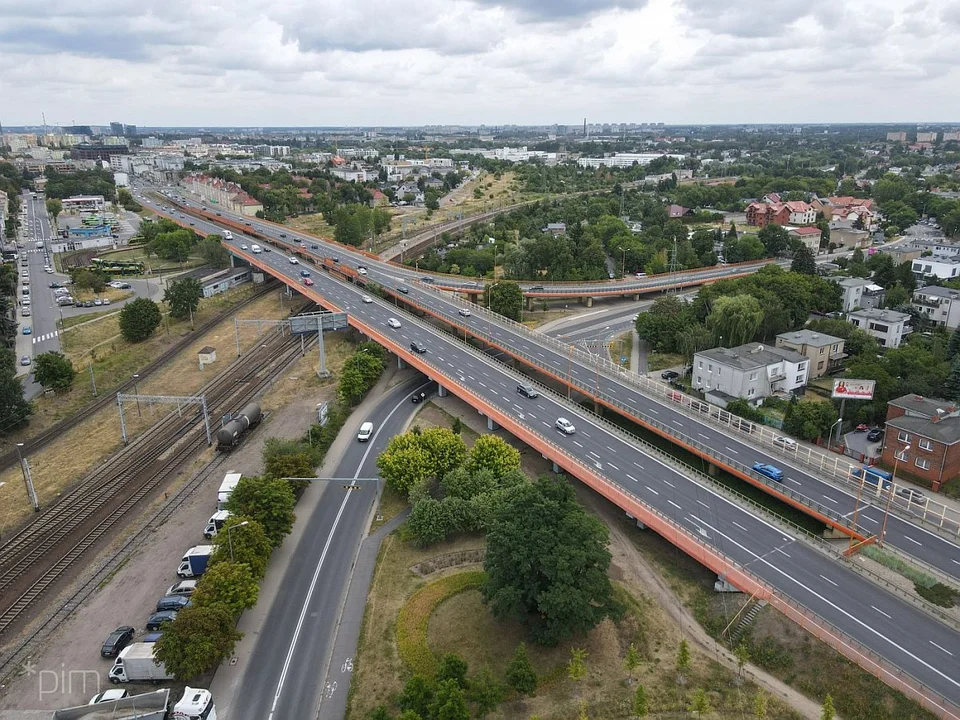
[
  {"x": 887, "y": 326},
  {"x": 852, "y": 289},
  {"x": 801, "y": 213},
  {"x": 939, "y": 305},
  {"x": 941, "y": 266},
  {"x": 750, "y": 371}
]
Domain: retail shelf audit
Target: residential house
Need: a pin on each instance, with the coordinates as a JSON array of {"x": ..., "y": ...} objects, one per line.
[
  {"x": 825, "y": 352},
  {"x": 762, "y": 214},
  {"x": 852, "y": 289},
  {"x": 772, "y": 198},
  {"x": 872, "y": 296},
  {"x": 809, "y": 236},
  {"x": 350, "y": 174},
  {"x": 678, "y": 212},
  {"x": 406, "y": 190},
  {"x": 220, "y": 192},
  {"x": 887, "y": 326},
  {"x": 555, "y": 229},
  {"x": 378, "y": 199},
  {"x": 750, "y": 371},
  {"x": 939, "y": 305},
  {"x": 944, "y": 267},
  {"x": 936, "y": 246},
  {"x": 923, "y": 438},
  {"x": 801, "y": 213}
]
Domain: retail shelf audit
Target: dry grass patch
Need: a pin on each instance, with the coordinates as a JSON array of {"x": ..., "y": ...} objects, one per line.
[
  {"x": 312, "y": 223},
  {"x": 112, "y": 294}
]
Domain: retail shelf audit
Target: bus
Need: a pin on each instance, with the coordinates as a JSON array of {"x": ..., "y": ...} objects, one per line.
[{"x": 117, "y": 267}]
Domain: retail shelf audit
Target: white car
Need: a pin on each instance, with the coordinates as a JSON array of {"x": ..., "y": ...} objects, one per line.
[
  {"x": 366, "y": 432},
  {"x": 463, "y": 312},
  {"x": 394, "y": 323},
  {"x": 109, "y": 696},
  {"x": 184, "y": 587},
  {"x": 367, "y": 299},
  {"x": 785, "y": 442},
  {"x": 244, "y": 247},
  {"x": 362, "y": 270},
  {"x": 294, "y": 261},
  {"x": 565, "y": 426}
]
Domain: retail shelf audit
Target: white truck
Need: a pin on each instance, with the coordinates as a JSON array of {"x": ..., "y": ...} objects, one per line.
[
  {"x": 194, "y": 561},
  {"x": 215, "y": 524},
  {"x": 196, "y": 704},
  {"x": 136, "y": 663},
  {"x": 256, "y": 249},
  {"x": 228, "y": 485}
]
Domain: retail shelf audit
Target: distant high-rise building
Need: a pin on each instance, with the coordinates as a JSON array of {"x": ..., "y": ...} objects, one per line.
[
  {"x": 116, "y": 128},
  {"x": 927, "y": 137},
  {"x": 130, "y": 130},
  {"x": 900, "y": 136},
  {"x": 947, "y": 136},
  {"x": 78, "y": 130},
  {"x": 584, "y": 127}
]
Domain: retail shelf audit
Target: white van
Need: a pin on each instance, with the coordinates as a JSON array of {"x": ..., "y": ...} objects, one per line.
[
  {"x": 227, "y": 235},
  {"x": 256, "y": 249},
  {"x": 293, "y": 261},
  {"x": 366, "y": 432}
]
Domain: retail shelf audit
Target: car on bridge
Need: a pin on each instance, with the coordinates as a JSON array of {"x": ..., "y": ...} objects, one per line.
[
  {"x": 565, "y": 426},
  {"x": 464, "y": 312},
  {"x": 770, "y": 471},
  {"x": 418, "y": 347},
  {"x": 528, "y": 391},
  {"x": 308, "y": 282},
  {"x": 403, "y": 289},
  {"x": 304, "y": 273}
]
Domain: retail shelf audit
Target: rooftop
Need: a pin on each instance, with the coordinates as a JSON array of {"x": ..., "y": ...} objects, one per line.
[
  {"x": 920, "y": 405},
  {"x": 808, "y": 230},
  {"x": 875, "y": 314},
  {"x": 852, "y": 282},
  {"x": 751, "y": 356},
  {"x": 946, "y": 430},
  {"x": 809, "y": 337},
  {"x": 937, "y": 291}
]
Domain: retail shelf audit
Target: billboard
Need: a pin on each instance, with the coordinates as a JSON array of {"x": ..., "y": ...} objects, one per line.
[
  {"x": 307, "y": 322},
  {"x": 853, "y": 389}
]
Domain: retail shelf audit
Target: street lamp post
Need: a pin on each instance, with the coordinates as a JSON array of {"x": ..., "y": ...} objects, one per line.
[
  {"x": 893, "y": 483},
  {"x": 830, "y": 435},
  {"x": 230, "y": 540},
  {"x": 623, "y": 262},
  {"x": 136, "y": 393}
]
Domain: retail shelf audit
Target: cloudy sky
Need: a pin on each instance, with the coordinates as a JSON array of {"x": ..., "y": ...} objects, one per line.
[{"x": 393, "y": 62}]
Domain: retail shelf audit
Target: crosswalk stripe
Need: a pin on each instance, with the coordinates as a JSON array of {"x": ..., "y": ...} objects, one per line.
[{"x": 45, "y": 337}]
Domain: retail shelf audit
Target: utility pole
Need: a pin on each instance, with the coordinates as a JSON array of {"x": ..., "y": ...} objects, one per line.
[{"x": 28, "y": 480}]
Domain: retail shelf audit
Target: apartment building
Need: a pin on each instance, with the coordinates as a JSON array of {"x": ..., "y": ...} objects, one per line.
[
  {"x": 750, "y": 371},
  {"x": 888, "y": 326},
  {"x": 897, "y": 136},
  {"x": 939, "y": 305},
  {"x": 825, "y": 352},
  {"x": 944, "y": 267}
]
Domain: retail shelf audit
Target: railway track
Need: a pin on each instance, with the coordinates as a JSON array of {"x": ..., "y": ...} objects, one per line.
[
  {"x": 35, "y": 560},
  {"x": 40, "y": 440}
]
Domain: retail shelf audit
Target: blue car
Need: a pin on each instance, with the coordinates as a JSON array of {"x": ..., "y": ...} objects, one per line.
[
  {"x": 304, "y": 273},
  {"x": 27, "y": 330},
  {"x": 770, "y": 471}
]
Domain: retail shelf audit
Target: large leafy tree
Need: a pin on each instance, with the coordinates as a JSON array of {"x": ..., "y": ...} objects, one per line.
[
  {"x": 183, "y": 297},
  {"x": 803, "y": 261},
  {"x": 547, "y": 562},
  {"x": 444, "y": 448},
  {"x": 227, "y": 584},
  {"x": 411, "y": 458},
  {"x": 269, "y": 502},
  {"x": 197, "y": 641},
  {"x": 139, "y": 318},
  {"x": 449, "y": 702},
  {"x": 775, "y": 239},
  {"x": 53, "y": 370},
  {"x": 14, "y": 409},
  {"x": 212, "y": 250},
  {"x": 249, "y": 544},
  {"x": 494, "y": 454},
  {"x": 505, "y": 298},
  {"x": 735, "y": 319}
]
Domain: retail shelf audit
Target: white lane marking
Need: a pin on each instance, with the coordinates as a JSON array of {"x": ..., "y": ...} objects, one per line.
[
  {"x": 677, "y": 423},
  {"x": 830, "y": 499},
  {"x": 940, "y": 648},
  {"x": 639, "y": 465},
  {"x": 584, "y": 433},
  {"x": 591, "y": 452},
  {"x": 613, "y": 466},
  {"x": 632, "y": 477},
  {"x": 795, "y": 482},
  {"x": 875, "y": 522},
  {"x": 916, "y": 542},
  {"x": 889, "y": 617},
  {"x": 705, "y": 437},
  {"x": 578, "y": 444},
  {"x": 731, "y": 450},
  {"x": 652, "y": 490},
  {"x": 610, "y": 449},
  {"x": 779, "y": 550},
  {"x": 654, "y": 411},
  {"x": 481, "y": 384},
  {"x": 739, "y": 525},
  {"x": 674, "y": 504},
  {"x": 667, "y": 482},
  {"x": 850, "y": 616},
  {"x": 704, "y": 504}
]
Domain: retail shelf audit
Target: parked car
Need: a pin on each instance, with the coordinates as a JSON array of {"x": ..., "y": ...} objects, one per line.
[
  {"x": 669, "y": 375},
  {"x": 785, "y": 442},
  {"x": 770, "y": 471},
  {"x": 418, "y": 347},
  {"x": 25, "y": 360},
  {"x": 27, "y": 330},
  {"x": 152, "y": 637},
  {"x": 26, "y": 312},
  {"x": 117, "y": 641},
  {"x": 565, "y": 426},
  {"x": 159, "y": 619},
  {"x": 55, "y": 285},
  {"x": 184, "y": 587},
  {"x": 98, "y": 302},
  {"x": 528, "y": 391},
  {"x": 875, "y": 435},
  {"x": 911, "y": 495},
  {"x": 862, "y": 427},
  {"x": 172, "y": 602},
  {"x": 106, "y": 301}
]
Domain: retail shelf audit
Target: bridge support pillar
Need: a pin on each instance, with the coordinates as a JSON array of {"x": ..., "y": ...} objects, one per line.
[
  {"x": 636, "y": 297},
  {"x": 442, "y": 391},
  {"x": 712, "y": 470},
  {"x": 400, "y": 363},
  {"x": 588, "y": 301},
  {"x": 491, "y": 425},
  {"x": 529, "y": 304},
  {"x": 722, "y": 586},
  {"x": 640, "y": 523},
  {"x": 557, "y": 469},
  {"x": 831, "y": 533}
]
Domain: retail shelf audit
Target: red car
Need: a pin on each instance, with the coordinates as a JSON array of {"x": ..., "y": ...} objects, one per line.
[{"x": 307, "y": 281}]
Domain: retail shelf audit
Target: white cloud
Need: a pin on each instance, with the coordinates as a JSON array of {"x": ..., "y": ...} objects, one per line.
[{"x": 379, "y": 62}]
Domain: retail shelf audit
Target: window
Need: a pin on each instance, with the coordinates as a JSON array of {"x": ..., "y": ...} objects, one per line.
[
  {"x": 925, "y": 444},
  {"x": 802, "y": 366},
  {"x": 836, "y": 347},
  {"x": 922, "y": 464},
  {"x": 820, "y": 365},
  {"x": 751, "y": 392},
  {"x": 709, "y": 367},
  {"x": 753, "y": 376},
  {"x": 821, "y": 350},
  {"x": 903, "y": 437},
  {"x": 700, "y": 364},
  {"x": 799, "y": 378}
]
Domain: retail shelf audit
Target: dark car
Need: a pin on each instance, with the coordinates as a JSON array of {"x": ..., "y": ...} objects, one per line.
[
  {"x": 404, "y": 290},
  {"x": 172, "y": 602},
  {"x": 428, "y": 279},
  {"x": 159, "y": 619},
  {"x": 88, "y": 303},
  {"x": 418, "y": 397},
  {"x": 151, "y": 637},
  {"x": 55, "y": 285},
  {"x": 117, "y": 641},
  {"x": 669, "y": 375},
  {"x": 528, "y": 391},
  {"x": 314, "y": 247},
  {"x": 535, "y": 288},
  {"x": 304, "y": 273},
  {"x": 875, "y": 435},
  {"x": 283, "y": 235},
  {"x": 418, "y": 347}
]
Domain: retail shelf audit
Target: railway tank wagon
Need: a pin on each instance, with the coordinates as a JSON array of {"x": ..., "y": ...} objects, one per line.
[{"x": 233, "y": 432}]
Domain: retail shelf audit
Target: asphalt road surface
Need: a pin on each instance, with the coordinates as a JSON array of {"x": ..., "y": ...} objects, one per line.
[{"x": 294, "y": 644}]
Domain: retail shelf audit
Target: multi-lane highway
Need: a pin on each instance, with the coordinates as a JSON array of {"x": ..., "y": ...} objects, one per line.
[
  {"x": 282, "y": 679},
  {"x": 906, "y": 637},
  {"x": 830, "y": 501}
]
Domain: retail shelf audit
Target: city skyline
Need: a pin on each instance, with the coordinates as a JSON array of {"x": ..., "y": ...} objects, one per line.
[{"x": 479, "y": 62}]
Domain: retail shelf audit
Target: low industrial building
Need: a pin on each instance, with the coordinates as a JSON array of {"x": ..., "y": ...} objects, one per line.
[
  {"x": 751, "y": 372},
  {"x": 219, "y": 281},
  {"x": 923, "y": 438}
]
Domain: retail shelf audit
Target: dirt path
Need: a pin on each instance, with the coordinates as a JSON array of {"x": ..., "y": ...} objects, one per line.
[{"x": 645, "y": 579}]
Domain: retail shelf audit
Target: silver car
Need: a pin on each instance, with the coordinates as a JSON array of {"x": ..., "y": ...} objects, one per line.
[{"x": 565, "y": 426}]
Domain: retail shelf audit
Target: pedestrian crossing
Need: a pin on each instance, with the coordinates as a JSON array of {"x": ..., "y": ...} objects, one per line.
[{"x": 45, "y": 337}]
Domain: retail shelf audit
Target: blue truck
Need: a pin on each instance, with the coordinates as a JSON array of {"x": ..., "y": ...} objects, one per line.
[{"x": 194, "y": 561}]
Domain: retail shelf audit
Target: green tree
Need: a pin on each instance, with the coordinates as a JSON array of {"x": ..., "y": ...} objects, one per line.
[
  {"x": 286, "y": 466},
  {"x": 417, "y": 695},
  {"x": 380, "y": 712},
  {"x": 828, "y": 713},
  {"x": 269, "y": 502},
  {"x": 760, "y": 705},
  {"x": 183, "y": 297},
  {"x": 14, "y": 409},
  {"x": 520, "y": 673},
  {"x": 449, "y": 702},
  {"x": 897, "y": 296},
  {"x": 951, "y": 387},
  {"x": 485, "y": 691},
  {"x": 250, "y": 545},
  {"x": 775, "y": 239},
  {"x": 138, "y": 319},
  {"x": 211, "y": 249},
  {"x": 429, "y": 522},
  {"x": 404, "y": 464},
  {"x": 197, "y": 641},
  {"x": 803, "y": 261},
  {"x": 452, "y": 667},
  {"x": 735, "y": 320},
  {"x": 742, "y": 654},
  {"x": 444, "y": 449},
  {"x": 53, "y": 370},
  {"x": 351, "y": 385},
  {"x": 683, "y": 661},
  {"x": 953, "y": 347},
  {"x": 495, "y": 454},
  {"x": 640, "y": 705},
  {"x": 810, "y": 420},
  {"x": 699, "y": 703},
  {"x": 577, "y": 666},
  {"x": 547, "y": 562},
  {"x": 632, "y": 660},
  {"x": 505, "y": 298},
  {"x": 87, "y": 279},
  {"x": 228, "y": 584},
  {"x": 54, "y": 208}
]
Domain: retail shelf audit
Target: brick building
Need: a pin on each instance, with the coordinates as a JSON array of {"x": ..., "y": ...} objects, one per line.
[{"x": 930, "y": 427}]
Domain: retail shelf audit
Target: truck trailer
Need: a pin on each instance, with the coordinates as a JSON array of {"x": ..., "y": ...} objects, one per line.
[
  {"x": 148, "y": 706},
  {"x": 229, "y": 484},
  {"x": 194, "y": 561},
  {"x": 136, "y": 663}
]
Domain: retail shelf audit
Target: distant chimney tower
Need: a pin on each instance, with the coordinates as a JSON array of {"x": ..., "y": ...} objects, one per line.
[{"x": 584, "y": 127}]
